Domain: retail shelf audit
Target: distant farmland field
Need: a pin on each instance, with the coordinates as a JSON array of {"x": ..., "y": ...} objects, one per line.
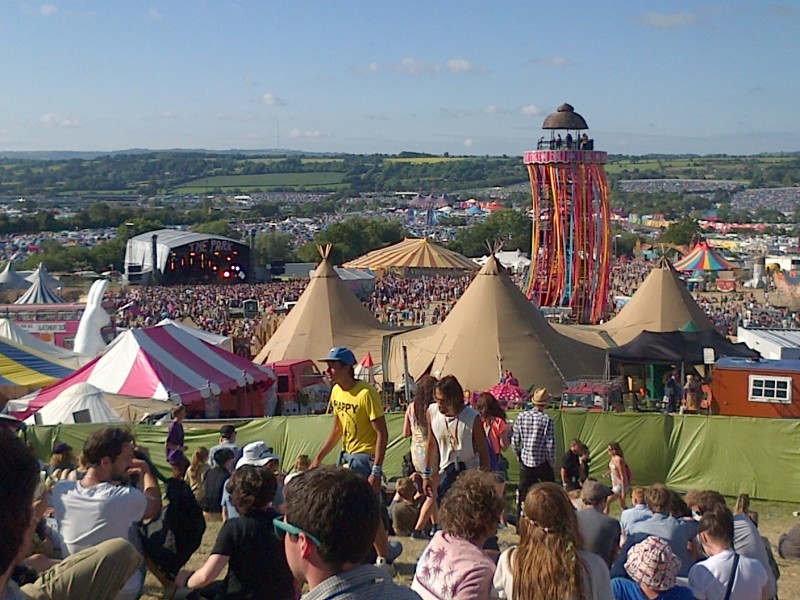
[
  {"x": 421, "y": 160},
  {"x": 265, "y": 182}
]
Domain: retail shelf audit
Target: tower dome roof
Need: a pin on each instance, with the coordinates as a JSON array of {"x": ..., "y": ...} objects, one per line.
[{"x": 565, "y": 117}]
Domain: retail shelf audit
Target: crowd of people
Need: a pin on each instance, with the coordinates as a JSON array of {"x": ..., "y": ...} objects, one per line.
[{"x": 331, "y": 532}]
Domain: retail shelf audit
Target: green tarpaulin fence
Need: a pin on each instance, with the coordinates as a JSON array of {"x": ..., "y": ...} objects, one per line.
[{"x": 732, "y": 455}]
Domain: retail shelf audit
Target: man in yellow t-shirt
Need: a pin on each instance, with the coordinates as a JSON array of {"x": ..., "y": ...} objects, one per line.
[{"x": 360, "y": 425}]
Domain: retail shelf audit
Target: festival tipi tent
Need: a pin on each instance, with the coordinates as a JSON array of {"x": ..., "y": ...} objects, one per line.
[
  {"x": 493, "y": 328},
  {"x": 163, "y": 363},
  {"x": 413, "y": 253},
  {"x": 662, "y": 303},
  {"x": 327, "y": 314},
  {"x": 41, "y": 290},
  {"x": 11, "y": 331},
  {"x": 11, "y": 280}
]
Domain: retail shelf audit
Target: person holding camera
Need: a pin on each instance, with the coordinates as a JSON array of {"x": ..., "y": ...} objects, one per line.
[{"x": 104, "y": 504}]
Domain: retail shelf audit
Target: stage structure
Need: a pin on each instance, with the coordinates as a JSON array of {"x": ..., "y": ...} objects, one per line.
[
  {"x": 571, "y": 249},
  {"x": 169, "y": 256}
]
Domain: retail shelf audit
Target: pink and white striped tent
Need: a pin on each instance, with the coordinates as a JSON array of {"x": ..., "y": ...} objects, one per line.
[{"x": 166, "y": 363}]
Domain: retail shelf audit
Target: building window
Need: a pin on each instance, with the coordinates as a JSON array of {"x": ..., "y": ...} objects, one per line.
[{"x": 770, "y": 389}]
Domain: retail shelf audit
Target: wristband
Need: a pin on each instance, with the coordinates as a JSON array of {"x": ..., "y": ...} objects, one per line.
[
  {"x": 426, "y": 472},
  {"x": 377, "y": 470}
]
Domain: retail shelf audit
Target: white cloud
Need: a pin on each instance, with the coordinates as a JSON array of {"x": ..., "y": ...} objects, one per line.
[
  {"x": 369, "y": 69},
  {"x": 530, "y": 110},
  {"x": 271, "y": 99},
  {"x": 557, "y": 62},
  {"x": 309, "y": 134},
  {"x": 493, "y": 109},
  {"x": 54, "y": 120},
  {"x": 469, "y": 142},
  {"x": 667, "y": 20},
  {"x": 48, "y": 10},
  {"x": 412, "y": 66},
  {"x": 154, "y": 14},
  {"x": 461, "y": 65}
]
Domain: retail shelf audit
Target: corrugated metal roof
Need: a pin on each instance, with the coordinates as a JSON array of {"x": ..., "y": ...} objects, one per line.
[{"x": 785, "y": 338}]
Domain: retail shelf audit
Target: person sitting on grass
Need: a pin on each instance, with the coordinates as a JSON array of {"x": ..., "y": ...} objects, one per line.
[
  {"x": 332, "y": 516},
  {"x": 550, "y": 562},
  {"x": 405, "y": 507},
  {"x": 454, "y": 564},
  {"x": 256, "y": 560},
  {"x": 99, "y": 572},
  {"x": 653, "y": 570}
]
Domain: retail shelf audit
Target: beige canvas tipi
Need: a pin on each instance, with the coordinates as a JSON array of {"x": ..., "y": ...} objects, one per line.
[
  {"x": 326, "y": 315},
  {"x": 662, "y": 303},
  {"x": 492, "y": 328}
]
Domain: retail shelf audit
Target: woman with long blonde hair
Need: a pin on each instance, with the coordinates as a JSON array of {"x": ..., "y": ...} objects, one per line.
[
  {"x": 550, "y": 562},
  {"x": 196, "y": 474}
]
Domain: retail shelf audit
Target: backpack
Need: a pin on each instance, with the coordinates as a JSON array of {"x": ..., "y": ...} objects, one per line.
[{"x": 170, "y": 539}]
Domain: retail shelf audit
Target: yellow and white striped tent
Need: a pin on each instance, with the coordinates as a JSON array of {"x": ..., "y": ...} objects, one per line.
[{"x": 413, "y": 253}]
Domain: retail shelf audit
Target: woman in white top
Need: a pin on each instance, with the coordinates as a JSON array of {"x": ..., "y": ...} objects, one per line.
[
  {"x": 415, "y": 426},
  {"x": 456, "y": 440},
  {"x": 550, "y": 561}
]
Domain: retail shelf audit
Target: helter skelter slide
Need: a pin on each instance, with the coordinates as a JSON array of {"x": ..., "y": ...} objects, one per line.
[{"x": 571, "y": 248}]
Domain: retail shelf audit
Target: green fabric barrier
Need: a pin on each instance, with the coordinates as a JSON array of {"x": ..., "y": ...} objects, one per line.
[{"x": 732, "y": 455}]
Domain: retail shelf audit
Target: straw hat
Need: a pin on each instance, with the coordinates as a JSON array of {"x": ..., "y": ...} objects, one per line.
[
  {"x": 653, "y": 563},
  {"x": 541, "y": 397}
]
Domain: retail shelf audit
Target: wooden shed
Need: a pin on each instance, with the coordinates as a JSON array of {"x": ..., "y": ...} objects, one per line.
[{"x": 757, "y": 388}]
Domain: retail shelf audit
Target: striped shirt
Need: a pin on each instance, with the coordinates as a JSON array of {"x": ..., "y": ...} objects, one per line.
[
  {"x": 534, "y": 438},
  {"x": 366, "y": 582}
]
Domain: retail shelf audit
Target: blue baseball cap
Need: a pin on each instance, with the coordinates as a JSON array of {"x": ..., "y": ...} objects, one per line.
[{"x": 342, "y": 355}]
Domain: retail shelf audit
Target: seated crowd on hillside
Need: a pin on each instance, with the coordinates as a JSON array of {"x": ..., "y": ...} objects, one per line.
[{"x": 75, "y": 532}]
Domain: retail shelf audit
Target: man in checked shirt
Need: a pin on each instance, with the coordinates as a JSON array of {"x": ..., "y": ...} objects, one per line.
[{"x": 534, "y": 440}]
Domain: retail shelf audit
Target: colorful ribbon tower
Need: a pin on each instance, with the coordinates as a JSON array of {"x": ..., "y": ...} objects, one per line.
[{"x": 571, "y": 249}]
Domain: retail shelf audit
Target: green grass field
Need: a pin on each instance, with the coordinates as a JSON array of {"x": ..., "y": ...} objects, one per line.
[
  {"x": 265, "y": 181},
  {"x": 421, "y": 160}
]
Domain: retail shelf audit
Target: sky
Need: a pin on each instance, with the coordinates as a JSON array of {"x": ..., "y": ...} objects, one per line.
[{"x": 473, "y": 77}]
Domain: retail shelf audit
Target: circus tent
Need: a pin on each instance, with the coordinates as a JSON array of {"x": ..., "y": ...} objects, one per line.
[
  {"x": 493, "y": 328},
  {"x": 11, "y": 331},
  {"x": 24, "y": 369},
  {"x": 703, "y": 258},
  {"x": 80, "y": 403},
  {"x": 169, "y": 364},
  {"x": 41, "y": 290},
  {"x": 42, "y": 274},
  {"x": 11, "y": 280},
  {"x": 222, "y": 341},
  {"x": 327, "y": 314},
  {"x": 413, "y": 253},
  {"x": 662, "y": 303}
]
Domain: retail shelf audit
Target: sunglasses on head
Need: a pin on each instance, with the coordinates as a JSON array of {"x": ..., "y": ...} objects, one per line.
[{"x": 282, "y": 528}]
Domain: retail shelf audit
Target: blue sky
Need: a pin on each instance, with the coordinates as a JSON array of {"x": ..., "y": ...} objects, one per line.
[{"x": 467, "y": 77}]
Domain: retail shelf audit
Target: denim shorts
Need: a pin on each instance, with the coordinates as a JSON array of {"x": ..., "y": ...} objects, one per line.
[{"x": 360, "y": 462}]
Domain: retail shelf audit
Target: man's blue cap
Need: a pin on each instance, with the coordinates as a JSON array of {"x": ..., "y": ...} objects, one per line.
[{"x": 342, "y": 355}]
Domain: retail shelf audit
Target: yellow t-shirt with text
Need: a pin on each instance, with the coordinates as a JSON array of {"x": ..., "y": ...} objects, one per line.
[{"x": 356, "y": 408}]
